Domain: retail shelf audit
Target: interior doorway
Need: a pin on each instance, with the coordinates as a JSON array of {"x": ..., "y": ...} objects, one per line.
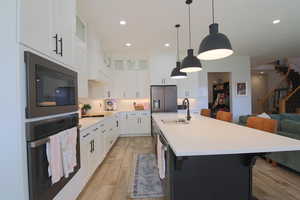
[
  {"x": 219, "y": 91},
  {"x": 260, "y": 83}
]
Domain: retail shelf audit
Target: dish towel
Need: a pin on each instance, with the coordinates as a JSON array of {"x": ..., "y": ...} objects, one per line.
[
  {"x": 54, "y": 157},
  {"x": 68, "y": 141},
  {"x": 161, "y": 159}
]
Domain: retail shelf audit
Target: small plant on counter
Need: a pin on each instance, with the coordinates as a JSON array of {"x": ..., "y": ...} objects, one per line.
[{"x": 85, "y": 108}]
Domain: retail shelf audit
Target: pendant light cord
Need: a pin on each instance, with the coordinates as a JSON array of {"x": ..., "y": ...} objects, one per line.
[
  {"x": 213, "y": 11},
  {"x": 190, "y": 34},
  {"x": 177, "y": 26}
]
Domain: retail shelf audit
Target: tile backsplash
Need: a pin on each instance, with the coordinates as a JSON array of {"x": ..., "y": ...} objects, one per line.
[
  {"x": 127, "y": 104},
  {"x": 122, "y": 104}
]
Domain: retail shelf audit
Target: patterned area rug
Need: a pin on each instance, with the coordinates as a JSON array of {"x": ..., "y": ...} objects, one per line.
[{"x": 146, "y": 181}]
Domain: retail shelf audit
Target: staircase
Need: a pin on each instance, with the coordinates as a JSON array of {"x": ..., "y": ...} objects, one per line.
[{"x": 284, "y": 99}]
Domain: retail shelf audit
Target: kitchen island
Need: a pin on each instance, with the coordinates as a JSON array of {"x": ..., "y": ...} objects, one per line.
[{"x": 209, "y": 159}]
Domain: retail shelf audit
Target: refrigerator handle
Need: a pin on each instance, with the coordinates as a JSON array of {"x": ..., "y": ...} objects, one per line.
[{"x": 156, "y": 104}]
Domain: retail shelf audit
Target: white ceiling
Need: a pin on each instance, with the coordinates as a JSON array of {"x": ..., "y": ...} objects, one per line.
[{"x": 248, "y": 24}]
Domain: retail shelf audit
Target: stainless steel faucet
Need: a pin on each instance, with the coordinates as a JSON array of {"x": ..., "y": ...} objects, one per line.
[{"x": 186, "y": 103}]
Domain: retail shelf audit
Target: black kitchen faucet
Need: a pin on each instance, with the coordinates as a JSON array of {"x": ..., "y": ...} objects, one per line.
[{"x": 186, "y": 104}]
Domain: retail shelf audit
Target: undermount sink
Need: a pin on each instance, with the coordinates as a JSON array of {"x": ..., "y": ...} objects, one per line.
[{"x": 175, "y": 121}]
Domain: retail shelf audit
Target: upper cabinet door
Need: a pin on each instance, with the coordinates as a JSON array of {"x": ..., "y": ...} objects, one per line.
[
  {"x": 143, "y": 84},
  {"x": 65, "y": 23},
  {"x": 36, "y": 25},
  {"x": 48, "y": 27}
]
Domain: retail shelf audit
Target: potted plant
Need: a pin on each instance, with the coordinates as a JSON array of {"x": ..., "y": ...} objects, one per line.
[{"x": 85, "y": 108}]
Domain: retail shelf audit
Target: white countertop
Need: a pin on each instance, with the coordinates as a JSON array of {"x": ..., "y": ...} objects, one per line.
[
  {"x": 207, "y": 136},
  {"x": 90, "y": 121}
]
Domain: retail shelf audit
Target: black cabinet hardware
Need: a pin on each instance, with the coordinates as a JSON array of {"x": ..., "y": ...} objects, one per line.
[
  {"x": 86, "y": 135},
  {"x": 91, "y": 146},
  {"x": 61, "y": 47},
  {"x": 95, "y": 129},
  {"x": 56, "y": 43}
]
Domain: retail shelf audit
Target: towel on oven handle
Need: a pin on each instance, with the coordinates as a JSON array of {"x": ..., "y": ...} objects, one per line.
[{"x": 68, "y": 140}]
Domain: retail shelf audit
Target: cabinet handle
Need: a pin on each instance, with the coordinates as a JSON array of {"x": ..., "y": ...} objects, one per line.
[
  {"x": 117, "y": 123},
  {"x": 95, "y": 129},
  {"x": 103, "y": 131},
  {"x": 86, "y": 135},
  {"x": 91, "y": 146},
  {"x": 56, "y": 43},
  {"x": 61, "y": 47}
]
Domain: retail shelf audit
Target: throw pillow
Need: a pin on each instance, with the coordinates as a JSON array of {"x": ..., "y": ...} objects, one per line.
[{"x": 264, "y": 115}]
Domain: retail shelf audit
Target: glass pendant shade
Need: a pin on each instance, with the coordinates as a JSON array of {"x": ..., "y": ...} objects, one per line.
[
  {"x": 176, "y": 73},
  {"x": 190, "y": 63},
  {"x": 214, "y": 46}
]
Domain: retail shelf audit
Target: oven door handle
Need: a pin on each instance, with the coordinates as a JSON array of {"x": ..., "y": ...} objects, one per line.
[
  {"x": 43, "y": 141},
  {"x": 40, "y": 142}
]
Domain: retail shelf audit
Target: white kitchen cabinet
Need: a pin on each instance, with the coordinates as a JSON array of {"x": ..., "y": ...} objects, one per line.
[
  {"x": 48, "y": 27},
  {"x": 92, "y": 151},
  {"x": 131, "y": 84},
  {"x": 136, "y": 123},
  {"x": 80, "y": 61},
  {"x": 98, "y": 70},
  {"x": 85, "y": 154},
  {"x": 65, "y": 26},
  {"x": 36, "y": 25},
  {"x": 189, "y": 87},
  {"x": 145, "y": 122},
  {"x": 161, "y": 67},
  {"x": 142, "y": 84}
]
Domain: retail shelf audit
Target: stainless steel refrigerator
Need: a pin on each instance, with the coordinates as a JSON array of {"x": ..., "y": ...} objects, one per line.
[{"x": 163, "y": 98}]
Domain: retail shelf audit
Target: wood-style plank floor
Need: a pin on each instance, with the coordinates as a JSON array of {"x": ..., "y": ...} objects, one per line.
[{"x": 112, "y": 180}]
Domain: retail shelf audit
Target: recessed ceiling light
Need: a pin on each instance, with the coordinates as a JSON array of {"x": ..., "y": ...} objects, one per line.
[
  {"x": 167, "y": 45},
  {"x": 262, "y": 72},
  {"x": 128, "y": 44},
  {"x": 277, "y": 21},
  {"x": 123, "y": 22}
]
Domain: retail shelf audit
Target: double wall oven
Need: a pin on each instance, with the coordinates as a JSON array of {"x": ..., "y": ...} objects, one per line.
[{"x": 51, "y": 89}]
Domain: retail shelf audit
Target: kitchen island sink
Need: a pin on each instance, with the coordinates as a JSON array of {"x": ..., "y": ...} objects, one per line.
[{"x": 209, "y": 159}]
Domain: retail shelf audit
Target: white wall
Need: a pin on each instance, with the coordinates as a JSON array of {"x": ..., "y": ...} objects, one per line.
[{"x": 13, "y": 171}]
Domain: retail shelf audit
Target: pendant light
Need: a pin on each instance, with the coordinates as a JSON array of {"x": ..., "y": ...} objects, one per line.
[
  {"x": 176, "y": 73},
  {"x": 190, "y": 63},
  {"x": 216, "y": 45}
]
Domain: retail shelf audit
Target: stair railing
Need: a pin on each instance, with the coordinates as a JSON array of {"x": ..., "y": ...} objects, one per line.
[
  {"x": 282, "y": 103},
  {"x": 266, "y": 98}
]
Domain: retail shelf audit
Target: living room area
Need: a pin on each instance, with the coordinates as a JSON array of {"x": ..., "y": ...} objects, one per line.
[{"x": 276, "y": 109}]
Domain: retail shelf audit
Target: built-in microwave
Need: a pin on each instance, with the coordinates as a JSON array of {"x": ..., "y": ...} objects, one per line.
[{"x": 51, "y": 88}]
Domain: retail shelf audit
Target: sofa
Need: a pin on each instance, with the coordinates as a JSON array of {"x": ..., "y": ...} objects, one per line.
[{"x": 288, "y": 126}]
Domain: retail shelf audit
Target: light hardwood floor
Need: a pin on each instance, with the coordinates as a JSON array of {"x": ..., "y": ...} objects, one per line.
[{"x": 112, "y": 179}]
